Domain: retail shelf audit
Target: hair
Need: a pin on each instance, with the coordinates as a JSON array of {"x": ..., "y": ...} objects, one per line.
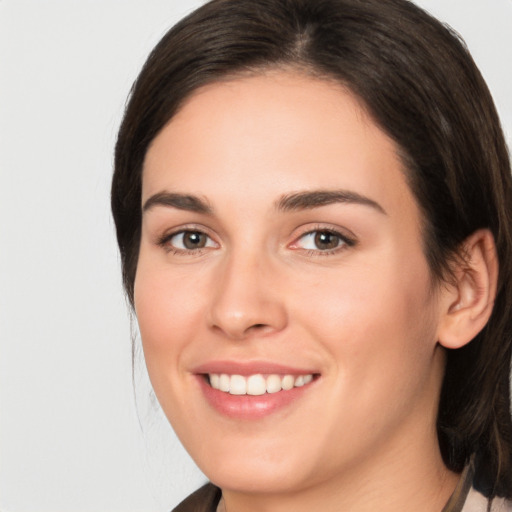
[{"x": 419, "y": 83}]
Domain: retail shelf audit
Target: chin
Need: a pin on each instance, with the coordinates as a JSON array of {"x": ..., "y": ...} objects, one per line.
[
  {"x": 257, "y": 477},
  {"x": 264, "y": 464}
]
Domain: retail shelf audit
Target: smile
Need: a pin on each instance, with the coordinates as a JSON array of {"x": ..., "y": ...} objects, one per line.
[
  {"x": 257, "y": 384},
  {"x": 253, "y": 390}
]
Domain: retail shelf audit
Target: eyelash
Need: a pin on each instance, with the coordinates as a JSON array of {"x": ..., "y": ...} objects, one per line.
[
  {"x": 164, "y": 241},
  {"x": 344, "y": 242}
]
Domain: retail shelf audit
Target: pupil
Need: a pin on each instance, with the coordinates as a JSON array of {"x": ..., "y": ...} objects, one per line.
[
  {"x": 194, "y": 240},
  {"x": 326, "y": 240}
]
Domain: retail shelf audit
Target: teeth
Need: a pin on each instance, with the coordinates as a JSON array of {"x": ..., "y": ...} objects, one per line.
[
  {"x": 257, "y": 384},
  {"x": 288, "y": 382},
  {"x": 273, "y": 384},
  {"x": 238, "y": 385},
  {"x": 299, "y": 381},
  {"x": 224, "y": 382},
  {"x": 215, "y": 381}
]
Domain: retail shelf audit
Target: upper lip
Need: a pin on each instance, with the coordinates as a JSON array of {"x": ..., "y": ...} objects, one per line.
[{"x": 250, "y": 368}]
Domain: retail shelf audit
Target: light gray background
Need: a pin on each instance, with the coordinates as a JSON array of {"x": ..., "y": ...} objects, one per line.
[{"x": 70, "y": 436}]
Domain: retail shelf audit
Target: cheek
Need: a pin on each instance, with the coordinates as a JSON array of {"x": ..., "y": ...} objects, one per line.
[
  {"x": 377, "y": 323},
  {"x": 168, "y": 308},
  {"x": 376, "y": 319}
]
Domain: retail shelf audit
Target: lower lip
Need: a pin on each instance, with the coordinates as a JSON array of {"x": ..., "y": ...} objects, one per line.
[{"x": 250, "y": 407}]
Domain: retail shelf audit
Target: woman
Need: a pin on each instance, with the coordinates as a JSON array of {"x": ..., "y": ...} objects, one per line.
[{"x": 313, "y": 207}]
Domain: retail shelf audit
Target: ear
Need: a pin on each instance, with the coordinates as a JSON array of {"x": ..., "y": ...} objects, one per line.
[{"x": 467, "y": 303}]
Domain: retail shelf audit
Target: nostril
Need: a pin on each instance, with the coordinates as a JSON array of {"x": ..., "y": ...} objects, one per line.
[{"x": 259, "y": 329}]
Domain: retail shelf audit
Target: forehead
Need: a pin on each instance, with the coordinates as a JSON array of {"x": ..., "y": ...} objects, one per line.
[{"x": 271, "y": 134}]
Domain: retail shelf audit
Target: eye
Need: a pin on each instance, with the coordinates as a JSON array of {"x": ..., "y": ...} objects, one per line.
[
  {"x": 188, "y": 240},
  {"x": 325, "y": 240}
]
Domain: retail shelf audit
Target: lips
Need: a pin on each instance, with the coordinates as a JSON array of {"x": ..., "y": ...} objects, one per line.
[{"x": 251, "y": 391}]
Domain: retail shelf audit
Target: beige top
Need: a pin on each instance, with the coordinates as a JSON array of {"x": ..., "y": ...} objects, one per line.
[
  {"x": 476, "y": 502},
  {"x": 467, "y": 499}
]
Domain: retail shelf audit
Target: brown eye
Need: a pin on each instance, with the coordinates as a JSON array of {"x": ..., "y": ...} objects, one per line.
[
  {"x": 190, "y": 241},
  {"x": 325, "y": 240},
  {"x": 194, "y": 240}
]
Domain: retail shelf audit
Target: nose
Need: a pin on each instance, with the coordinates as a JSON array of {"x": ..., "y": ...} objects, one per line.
[{"x": 247, "y": 300}]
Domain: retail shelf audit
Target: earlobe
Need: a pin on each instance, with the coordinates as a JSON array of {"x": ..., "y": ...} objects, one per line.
[{"x": 467, "y": 302}]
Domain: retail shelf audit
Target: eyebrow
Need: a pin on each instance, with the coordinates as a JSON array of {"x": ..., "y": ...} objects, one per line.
[
  {"x": 186, "y": 202},
  {"x": 296, "y": 201},
  {"x": 314, "y": 199}
]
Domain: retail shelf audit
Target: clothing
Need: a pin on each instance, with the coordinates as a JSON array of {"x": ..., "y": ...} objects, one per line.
[
  {"x": 204, "y": 499},
  {"x": 464, "y": 499}
]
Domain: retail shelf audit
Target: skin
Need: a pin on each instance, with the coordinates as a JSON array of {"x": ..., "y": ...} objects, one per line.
[{"x": 366, "y": 316}]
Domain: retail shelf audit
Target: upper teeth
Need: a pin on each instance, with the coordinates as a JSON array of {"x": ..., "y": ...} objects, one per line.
[{"x": 257, "y": 384}]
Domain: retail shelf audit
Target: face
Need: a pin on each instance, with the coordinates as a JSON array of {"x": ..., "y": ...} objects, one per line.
[{"x": 285, "y": 305}]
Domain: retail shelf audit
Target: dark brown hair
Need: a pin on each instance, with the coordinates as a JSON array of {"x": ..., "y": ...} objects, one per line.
[{"x": 421, "y": 86}]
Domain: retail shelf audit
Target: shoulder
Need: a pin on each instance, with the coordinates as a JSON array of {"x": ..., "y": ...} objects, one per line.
[
  {"x": 501, "y": 505},
  {"x": 204, "y": 499},
  {"x": 476, "y": 502}
]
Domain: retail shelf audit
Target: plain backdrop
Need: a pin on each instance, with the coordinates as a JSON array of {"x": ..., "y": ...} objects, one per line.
[{"x": 71, "y": 436}]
